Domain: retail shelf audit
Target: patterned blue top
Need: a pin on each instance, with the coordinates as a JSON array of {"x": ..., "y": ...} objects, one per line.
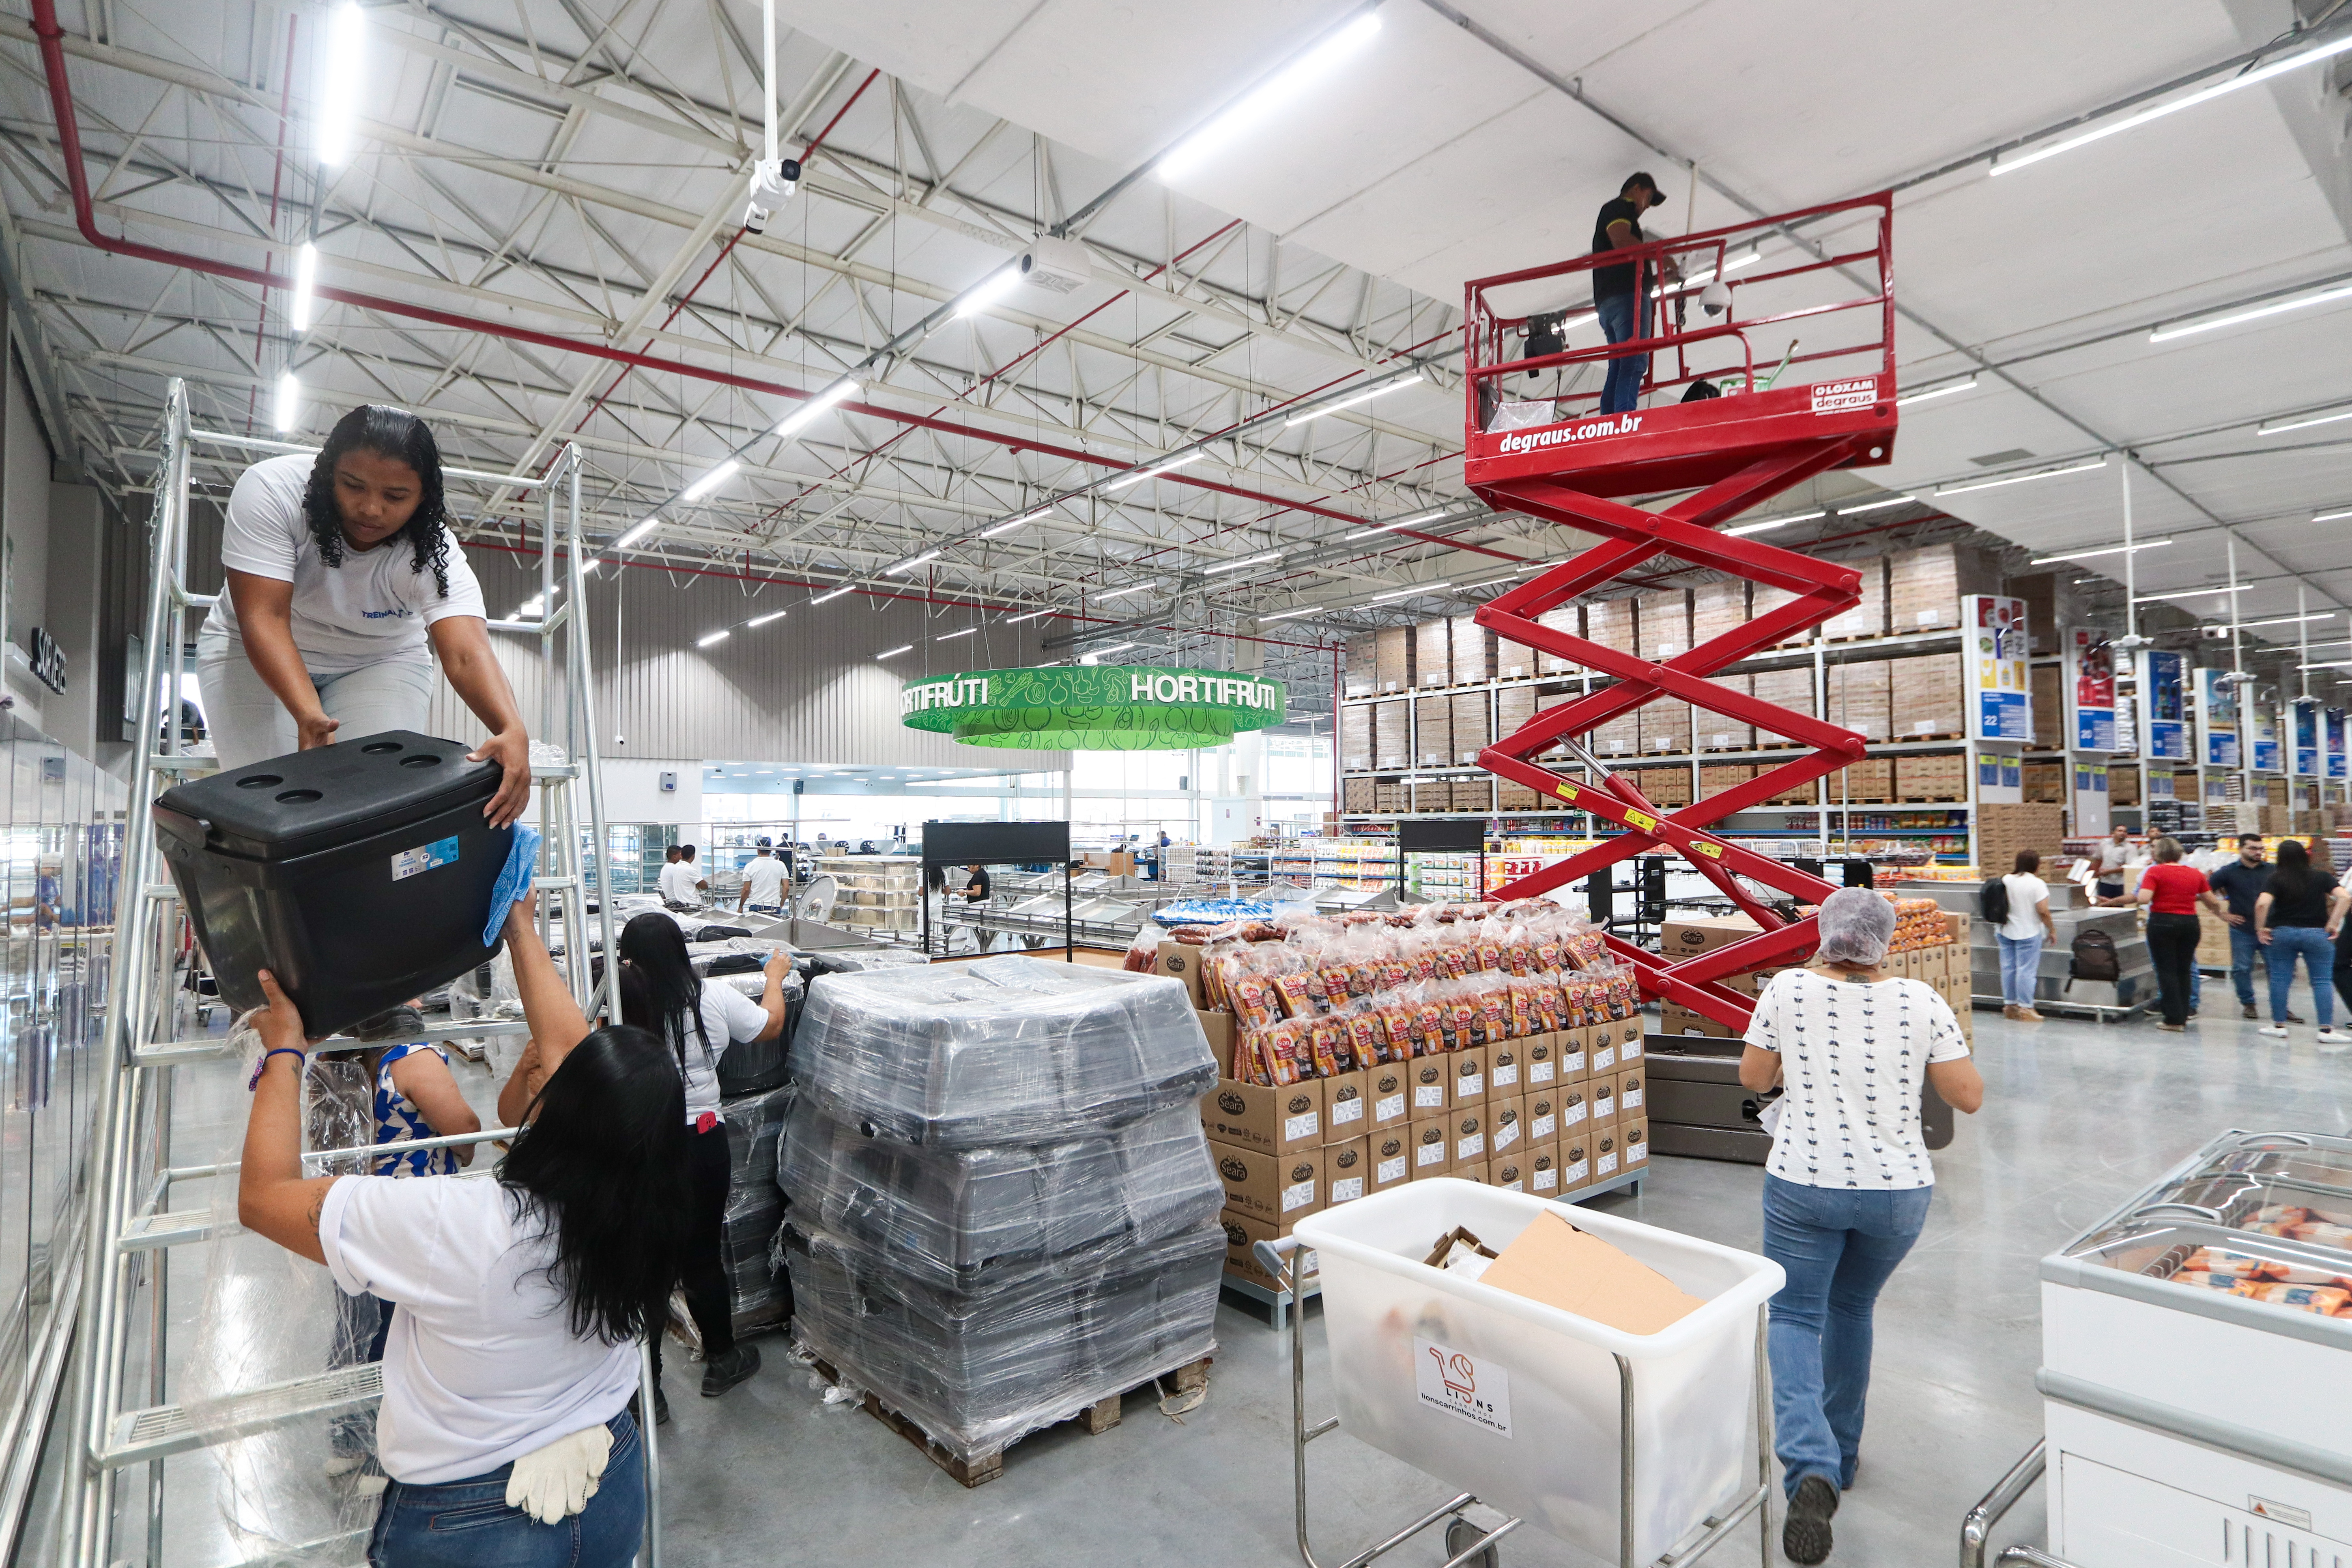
[{"x": 397, "y": 1118}]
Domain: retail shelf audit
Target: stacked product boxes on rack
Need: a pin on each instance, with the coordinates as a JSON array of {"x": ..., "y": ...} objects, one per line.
[
  {"x": 1002, "y": 1205},
  {"x": 1492, "y": 1043},
  {"x": 884, "y": 892},
  {"x": 1930, "y": 943}
]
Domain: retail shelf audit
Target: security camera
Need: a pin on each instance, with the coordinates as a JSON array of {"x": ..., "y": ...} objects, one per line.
[
  {"x": 772, "y": 184},
  {"x": 1716, "y": 297},
  {"x": 1058, "y": 266}
]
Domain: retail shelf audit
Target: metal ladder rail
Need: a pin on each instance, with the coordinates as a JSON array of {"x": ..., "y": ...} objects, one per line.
[
  {"x": 1688, "y": 532},
  {"x": 140, "y": 1027}
]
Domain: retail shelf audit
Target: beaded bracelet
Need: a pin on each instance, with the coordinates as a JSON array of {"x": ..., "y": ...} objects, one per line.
[{"x": 255, "y": 1081}]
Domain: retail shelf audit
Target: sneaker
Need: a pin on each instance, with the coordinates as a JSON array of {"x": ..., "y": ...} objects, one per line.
[
  {"x": 2182, "y": 1028},
  {"x": 1805, "y": 1538},
  {"x": 2330, "y": 1038},
  {"x": 2276, "y": 1031},
  {"x": 2028, "y": 1016},
  {"x": 2250, "y": 1012},
  {"x": 724, "y": 1371},
  {"x": 2009, "y": 1010},
  {"x": 2293, "y": 1019}
]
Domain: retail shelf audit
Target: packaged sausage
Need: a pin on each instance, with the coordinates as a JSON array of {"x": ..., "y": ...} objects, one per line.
[{"x": 1327, "y": 1041}]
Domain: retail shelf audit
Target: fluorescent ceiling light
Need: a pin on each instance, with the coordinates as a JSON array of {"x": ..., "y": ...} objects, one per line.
[
  {"x": 1010, "y": 523},
  {"x": 306, "y": 288},
  {"x": 2081, "y": 467},
  {"x": 891, "y": 654},
  {"x": 2286, "y": 422},
  {"x": 763, "y": 620},
  {"x": 989, "y": 289},
  {"x": 837, "y": 593},
  {"x": 286, "y": 403},
  {"x": 2103, "y": 550},
  {"x": 647, "y": 526},
  {"x": 2285, "y": 620},
  {"x": 1746, "y": 528},
  {"x": 1016, "y": 620},
  {"x": 2171, "y": 330},
  {"x": 1115, "y": 648},
  {"x": 1290, "y": 614},
  {"x": 2331, "y": 516},
  {"x": 1401, "y": 522},
  {"x": 2338, "y": 664},
  {"x": 951, "y": 637},
  {"x": 909, "y": 563},
  {"x": 1407, "y": 593},
  {"x": 1877, "y": 505},
  {"x": 2189, "y": 593},
  {"x": 1123, "y": 592},
  {"x": 711, "y": 481},
  {"x": 1365, "y": 396},
  {"x": 2024, "y": 155},
  {"x": 815, "y": 406},
  {"x": 337, "y": 106},
  {"x": 1261, "y": 560},
  {"x": 1269, "y": 96},
  {"x": 720, "y": 636},
  {"x": 1943, "y": 389},
  {"x": 1168, "y": 467}
]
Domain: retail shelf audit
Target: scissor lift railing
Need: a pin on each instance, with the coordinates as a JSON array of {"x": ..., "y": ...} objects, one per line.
[
  {"x": 1733, "y": 452},
  {"x": 131, "y": 1218}
]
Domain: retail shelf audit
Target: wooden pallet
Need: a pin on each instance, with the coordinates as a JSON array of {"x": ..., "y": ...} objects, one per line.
[{"x": 1097, "y": 1418}]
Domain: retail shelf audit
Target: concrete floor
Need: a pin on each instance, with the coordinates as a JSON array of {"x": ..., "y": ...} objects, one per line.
[{"x": 2076, "y": 1116}]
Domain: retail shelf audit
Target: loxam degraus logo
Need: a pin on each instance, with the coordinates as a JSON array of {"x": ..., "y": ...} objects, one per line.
[
  {"x": 1231, "y": 1104},
  {"x": 1232, "y": 1170},
  {"x": 1566, "y": 435}
]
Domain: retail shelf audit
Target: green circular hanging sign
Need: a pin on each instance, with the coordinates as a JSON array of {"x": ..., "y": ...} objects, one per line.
[{"x": 1092, "y": 708}]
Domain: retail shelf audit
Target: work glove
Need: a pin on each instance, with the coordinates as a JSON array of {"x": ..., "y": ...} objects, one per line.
[{"x": 553, "y": 1483}]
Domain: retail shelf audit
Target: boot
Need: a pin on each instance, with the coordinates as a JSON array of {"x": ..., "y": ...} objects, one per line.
[{"x": 725, "y": 1370}]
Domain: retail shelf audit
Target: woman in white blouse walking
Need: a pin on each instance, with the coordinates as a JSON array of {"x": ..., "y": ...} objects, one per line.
[{"x": 1847, "y": 1186}]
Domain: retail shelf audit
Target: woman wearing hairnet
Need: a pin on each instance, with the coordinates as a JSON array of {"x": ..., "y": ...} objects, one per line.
[{"x": 1847, "y": 1185}]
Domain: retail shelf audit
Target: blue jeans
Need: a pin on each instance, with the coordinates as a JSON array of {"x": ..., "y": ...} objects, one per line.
[
  {"x": 2242, "y": 948},
  {"x": 1623, "y": 390},
  {"x": 2021, "y": 961},
  {"x": 467, "y": 1524},
  {"x": 1839, "y": 1244},
  {"x": 2318, "y": 954}
]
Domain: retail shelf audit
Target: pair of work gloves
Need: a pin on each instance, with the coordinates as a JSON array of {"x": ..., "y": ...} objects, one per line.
[{"x": 553, "y": 1483}]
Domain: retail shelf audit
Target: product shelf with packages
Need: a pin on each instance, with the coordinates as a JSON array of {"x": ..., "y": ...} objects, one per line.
[
  {"x": 363, "y": 874},
  {"x": 1820, "y": 279}
]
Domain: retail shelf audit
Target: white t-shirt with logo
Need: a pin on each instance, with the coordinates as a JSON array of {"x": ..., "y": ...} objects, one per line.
[
  {"x": 2026, "y": 892},
  {"x": 1854, "y": 1059},
  {"x": 764, "y": 875},
  {"x": 373, "y": 607},
  {"x": 481, "y": 1365}
]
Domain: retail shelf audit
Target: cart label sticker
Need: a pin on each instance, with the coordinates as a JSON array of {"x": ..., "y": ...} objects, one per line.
[
  {"x": 1429, "y": 1095},
  {"x": 1389, "y": 1107},
  {"x": 1346, "y": 1110},
  {"x": 1391, "y": 1170},
  {"x": 1467, "y": 1387},
  {"x": 2294, "y": 1518},
  {"x": 1347, "y": 1189},
  {"x": 423, "y": 857},
  {"x": 1844, "y": 397},
  {"x": 1298, "y": 1195},
  {"x": 1295, "y": 1127}
]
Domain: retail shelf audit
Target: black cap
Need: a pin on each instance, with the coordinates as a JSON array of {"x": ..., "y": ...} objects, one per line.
[
  {"x": 1641, "y": 177},
  {"x": 765, "y": 843}
]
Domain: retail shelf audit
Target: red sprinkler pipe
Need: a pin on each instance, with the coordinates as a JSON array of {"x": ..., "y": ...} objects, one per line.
[{"x": 53, "y": 64}]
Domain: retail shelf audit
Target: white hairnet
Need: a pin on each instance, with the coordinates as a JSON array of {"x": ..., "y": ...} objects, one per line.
[{"x": 1856, "y": 925}]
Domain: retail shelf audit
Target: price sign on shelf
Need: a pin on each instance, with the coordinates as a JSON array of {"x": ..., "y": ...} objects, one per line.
[{"x": 1504, "y": 870}]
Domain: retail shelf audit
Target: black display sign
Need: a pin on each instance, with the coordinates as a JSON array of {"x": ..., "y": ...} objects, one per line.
[{"x": 995, "y": 843}]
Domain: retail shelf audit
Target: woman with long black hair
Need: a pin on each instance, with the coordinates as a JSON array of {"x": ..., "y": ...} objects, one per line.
[
  {"x": 2299, "y": 914},
  {"x": 699, "y": 1019},
  {"x": 342, "y": 585},
  {"x": 519, "y": 1303}
]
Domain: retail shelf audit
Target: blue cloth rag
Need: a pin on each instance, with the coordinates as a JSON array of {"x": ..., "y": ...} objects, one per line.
[{"x": 514, "y": 881}]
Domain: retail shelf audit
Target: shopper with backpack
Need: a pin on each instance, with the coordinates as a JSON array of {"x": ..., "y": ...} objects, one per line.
[
  {"x": 2172, "y": 892},
  {"x": 2299, "y": 914},
  {"x": 2021, "y": 927}
]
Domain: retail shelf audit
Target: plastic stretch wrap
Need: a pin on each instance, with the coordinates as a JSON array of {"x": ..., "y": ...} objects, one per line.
[
  {"x": 1001, "y": 1051},
  {"x": 758, "y": 1294},
  {"x": 976, "y": 1371},
  {"x": 970, "y": 1220}
]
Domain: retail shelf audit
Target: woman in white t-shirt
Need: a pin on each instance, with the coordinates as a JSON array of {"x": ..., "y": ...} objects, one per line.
[
  {"x": 2021, "y": 937},
  {"x": 342, "y": 585},
  {"x": 519, "y": 1302},
  {"x": 699, "y": 1019},
  {"x": 1847, "y": 1185}
]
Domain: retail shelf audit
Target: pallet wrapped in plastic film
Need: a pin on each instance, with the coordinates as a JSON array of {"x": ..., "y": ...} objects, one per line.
[
  {"x": 759, "y": 1296},
  {"x": 1003, "y": 1051},
  {"x": 977, "y": 1371},
  {"x": 971, "y": 1219}
]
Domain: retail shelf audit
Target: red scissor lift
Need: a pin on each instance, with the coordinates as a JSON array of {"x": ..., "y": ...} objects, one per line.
[{"x": 1731, "y": 453}]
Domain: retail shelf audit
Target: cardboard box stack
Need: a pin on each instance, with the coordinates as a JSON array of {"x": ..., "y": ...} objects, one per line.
[
  {"x": 1472, "y": 650},
  {"x": 1392, "y": 658},
  {"x": 1925, "y": 587},
  {"x": 1924, "y": 696},
  {"x": 1868, "y": 617},
  {"x": 1569, "y": 618},
  {"x": 1930, "y": 945},
  {"x": 1432, "y": 653},
  {"x": 1469, "y": 718},
  {"x": 1392, "y": 734},
  {"x": 2003, "y": 829},
  {"x": 1714, "y": 731}
]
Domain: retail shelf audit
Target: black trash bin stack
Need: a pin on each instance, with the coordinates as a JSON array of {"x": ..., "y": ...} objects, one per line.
[
  {"x": 1003, "y": 1207},
  {"x": 359, "y": 874}
]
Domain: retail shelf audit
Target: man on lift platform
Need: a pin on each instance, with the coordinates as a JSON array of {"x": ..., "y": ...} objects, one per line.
[{"x": 1621, "y": 301}]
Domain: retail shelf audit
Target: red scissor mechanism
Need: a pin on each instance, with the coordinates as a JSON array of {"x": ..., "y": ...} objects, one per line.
[{"x": 1731, "y": 452}]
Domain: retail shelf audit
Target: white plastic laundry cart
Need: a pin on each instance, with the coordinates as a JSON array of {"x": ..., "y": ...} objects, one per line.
[{"x": 1636, "y": 1449}]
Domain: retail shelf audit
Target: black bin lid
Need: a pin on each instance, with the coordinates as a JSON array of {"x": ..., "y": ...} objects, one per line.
[{"x": 305, "y": 801}]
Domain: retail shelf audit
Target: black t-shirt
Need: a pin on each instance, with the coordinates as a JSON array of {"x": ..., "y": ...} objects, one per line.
[
  {"x": 977, "y": 889},
  {"x": 1609, "y": 282},
  {"x": 2305, "y": 905},
  {"x": 2240, "y": 884}
]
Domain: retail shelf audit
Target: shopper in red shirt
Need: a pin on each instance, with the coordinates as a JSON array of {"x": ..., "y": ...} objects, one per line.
[{"x": 2172, "y": 891}]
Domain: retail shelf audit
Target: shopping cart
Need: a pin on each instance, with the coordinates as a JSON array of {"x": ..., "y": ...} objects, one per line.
[{"x": 1516, "y": 1397}]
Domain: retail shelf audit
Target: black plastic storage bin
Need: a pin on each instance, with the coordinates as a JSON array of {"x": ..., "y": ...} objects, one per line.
[{"x": 360, "y": 873}]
